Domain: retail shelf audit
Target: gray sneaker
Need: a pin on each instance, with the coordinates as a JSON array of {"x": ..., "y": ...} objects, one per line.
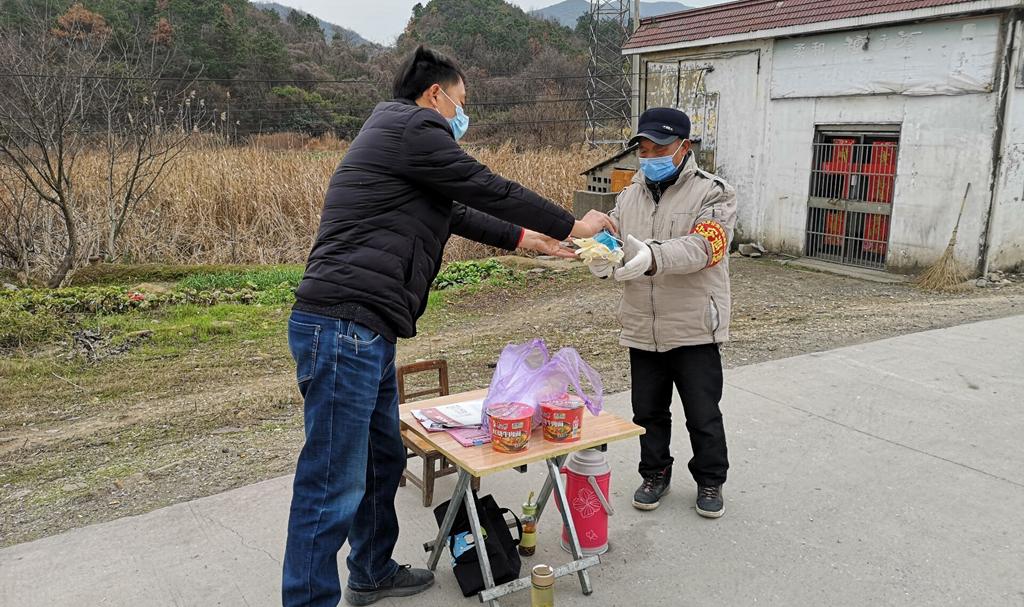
[
  {"x": 406, "y": 582},
  {"x": 655, "y": 486},
  {"x": 709, "y": 501}
]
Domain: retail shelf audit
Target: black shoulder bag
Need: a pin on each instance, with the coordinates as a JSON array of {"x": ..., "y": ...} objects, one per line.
[{"x": 502, "y": 548}]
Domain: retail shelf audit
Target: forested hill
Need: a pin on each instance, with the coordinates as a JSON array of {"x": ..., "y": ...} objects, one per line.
[{"x": 280, "y": 72}]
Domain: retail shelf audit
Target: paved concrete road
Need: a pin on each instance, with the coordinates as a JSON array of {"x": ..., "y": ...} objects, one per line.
[{"x": 885, "y": 474}]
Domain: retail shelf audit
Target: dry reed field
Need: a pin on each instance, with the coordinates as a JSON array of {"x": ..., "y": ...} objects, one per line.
[{"x": 260, "y": 202}]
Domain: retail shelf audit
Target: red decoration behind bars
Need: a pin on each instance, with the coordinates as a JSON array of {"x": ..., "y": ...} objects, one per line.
[
  {"x": 881, "y": 183},
  {"x": 841, "y": 165}
]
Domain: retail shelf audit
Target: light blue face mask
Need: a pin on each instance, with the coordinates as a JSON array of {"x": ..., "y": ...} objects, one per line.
[
  {"x": 660, "y": 168},
  {"x": 459, "y": 124},
  {"x": 605, "y": 237}
]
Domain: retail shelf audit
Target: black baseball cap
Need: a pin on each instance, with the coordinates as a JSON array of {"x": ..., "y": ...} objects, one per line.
[{"x": 662, "y": 125}]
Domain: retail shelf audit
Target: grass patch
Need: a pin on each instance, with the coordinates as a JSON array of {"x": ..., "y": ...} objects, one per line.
[
  {"x": 188, "y": 344},
  {"x": 130, "y": 274},
  {"x": 19, "y": 327},
  {"x": 194, "y": 311},
  {"x": 178, "y": 328},
  {"x": 462, "y": 273},
  {"x": 39, "y": 470},
  {"x": 263, "y": 279}
]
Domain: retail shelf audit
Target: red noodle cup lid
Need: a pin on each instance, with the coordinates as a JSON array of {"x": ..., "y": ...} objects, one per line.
[{"x": 510, "y": 410}]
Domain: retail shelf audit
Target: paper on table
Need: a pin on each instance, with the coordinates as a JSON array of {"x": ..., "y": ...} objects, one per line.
[
  {"x": 470, "y": 437},
  {"x": 456, "y": 415}
]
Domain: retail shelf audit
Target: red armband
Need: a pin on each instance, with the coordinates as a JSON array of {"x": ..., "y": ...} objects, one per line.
[
  {"x": 715, "y": 234},
  {"x": 522, "y": 236}
]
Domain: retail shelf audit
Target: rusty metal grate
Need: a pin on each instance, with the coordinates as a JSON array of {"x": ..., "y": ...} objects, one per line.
[{"x": 853, "y": 182}]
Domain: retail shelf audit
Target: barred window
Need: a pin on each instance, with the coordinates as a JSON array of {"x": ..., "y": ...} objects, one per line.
[{"x": 852, "y": 189}]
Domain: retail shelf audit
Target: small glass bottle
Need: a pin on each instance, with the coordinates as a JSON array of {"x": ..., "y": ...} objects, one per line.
[
  {"x": 542, "y": 594},
  {"x": 528, "y": 545}
]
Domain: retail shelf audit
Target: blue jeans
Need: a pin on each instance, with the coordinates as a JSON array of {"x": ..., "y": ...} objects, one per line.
[{"x": 349, "y": 468}]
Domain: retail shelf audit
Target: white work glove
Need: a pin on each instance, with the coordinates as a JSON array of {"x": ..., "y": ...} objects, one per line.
[
  {"x": 602, "y": 268},
  {"x": 639, "y": 264}
]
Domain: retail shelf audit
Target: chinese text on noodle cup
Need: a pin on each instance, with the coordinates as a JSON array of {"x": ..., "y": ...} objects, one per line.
[
  {"x": 562, "y": 420},
  {"x": 511, "y": 424}
]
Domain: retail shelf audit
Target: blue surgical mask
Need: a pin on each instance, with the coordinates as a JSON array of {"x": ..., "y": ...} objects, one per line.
[
  {"x": 605, "y": 237},
  {"x": 660, "y": 168},
  {"x": 459, "y": 124}
]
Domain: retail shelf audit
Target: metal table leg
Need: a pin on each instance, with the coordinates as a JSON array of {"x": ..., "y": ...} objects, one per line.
[
  {"x": 481, "y": 546},
  {"x": 524, "y": 583},
  {"x": 461, "y": 490},
  {"x": 545, "y": 490},
  {"x": 574, "y": 541},
  {"x": 552, "y": 484}
]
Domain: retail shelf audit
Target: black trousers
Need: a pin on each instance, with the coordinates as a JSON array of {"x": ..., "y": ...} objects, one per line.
[{"x": 696, "y": 372}]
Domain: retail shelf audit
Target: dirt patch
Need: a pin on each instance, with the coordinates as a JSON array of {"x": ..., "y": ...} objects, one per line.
[
  {"x": 95, "y": 346},
  {"x": 154, "y": 453},
  {"x": 78, "y": 456},
  {"x": 780, "y": 311}
]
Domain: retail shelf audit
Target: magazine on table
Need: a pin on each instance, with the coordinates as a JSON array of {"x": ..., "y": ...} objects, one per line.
[
  {"x": 470, "y": 437},
  {"x": 447, "y": 417}
]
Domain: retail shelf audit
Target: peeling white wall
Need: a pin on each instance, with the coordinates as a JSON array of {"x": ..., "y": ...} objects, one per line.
[{"x": 948, "y": 57}]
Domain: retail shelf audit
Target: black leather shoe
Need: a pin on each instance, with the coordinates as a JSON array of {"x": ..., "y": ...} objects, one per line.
[
  {"x": 655, "y": 486},
  {"x": 709, "y": 501},
  {"x": 406, "y": 582}
]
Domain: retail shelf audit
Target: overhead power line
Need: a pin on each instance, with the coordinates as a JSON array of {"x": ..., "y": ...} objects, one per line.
[
  {"x": 185, "y": 79},
  {"x": 479, "y": 125},
  {"x": 517, "y": 78},
  {"x": 298, "y": 106}
]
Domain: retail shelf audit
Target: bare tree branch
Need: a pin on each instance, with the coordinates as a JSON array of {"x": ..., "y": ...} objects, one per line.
[{"x": 77, "y": 92}]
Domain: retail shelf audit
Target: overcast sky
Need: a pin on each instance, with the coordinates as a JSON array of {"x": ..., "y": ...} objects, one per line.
[{"x": 383, "y": 20}]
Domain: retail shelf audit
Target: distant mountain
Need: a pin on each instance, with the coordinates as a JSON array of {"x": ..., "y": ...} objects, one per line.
[
  {"x": 330, "y": 30},
  {"x": 568, "y": 12}
]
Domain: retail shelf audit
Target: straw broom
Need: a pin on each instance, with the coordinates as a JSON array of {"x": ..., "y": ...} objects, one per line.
[{"x": 946, "y": 274}]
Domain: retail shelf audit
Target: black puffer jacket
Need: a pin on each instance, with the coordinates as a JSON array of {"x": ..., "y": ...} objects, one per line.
[{"x": 389, "y": 211}]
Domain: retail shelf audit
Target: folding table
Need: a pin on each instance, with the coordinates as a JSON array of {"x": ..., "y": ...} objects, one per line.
[{"x": 484, "y": 460}]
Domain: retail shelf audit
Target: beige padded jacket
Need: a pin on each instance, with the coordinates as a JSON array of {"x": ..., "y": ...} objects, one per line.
[{"x": 687, "y": 301}]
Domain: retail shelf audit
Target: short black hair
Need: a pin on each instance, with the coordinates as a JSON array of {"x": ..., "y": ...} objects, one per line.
[{"x": 423, "y": 69}]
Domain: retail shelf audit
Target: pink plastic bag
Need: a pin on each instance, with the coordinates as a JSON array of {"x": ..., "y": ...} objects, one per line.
[{"x": 527, "y": 374}]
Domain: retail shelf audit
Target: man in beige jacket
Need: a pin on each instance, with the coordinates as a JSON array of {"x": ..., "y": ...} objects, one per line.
[{"x": 678, "y": 222}]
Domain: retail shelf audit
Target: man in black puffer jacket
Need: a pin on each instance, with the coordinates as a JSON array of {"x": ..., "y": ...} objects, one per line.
[{"x": 404, "y": 187}]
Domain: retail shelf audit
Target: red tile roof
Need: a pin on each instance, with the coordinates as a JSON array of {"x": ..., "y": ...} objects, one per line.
[{"x": 753, "y": 15}]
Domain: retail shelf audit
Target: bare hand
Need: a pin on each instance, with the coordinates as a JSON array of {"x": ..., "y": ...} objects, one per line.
[
  {"x": 535, "y": 241},
  {"x": 592, "y": 223}
]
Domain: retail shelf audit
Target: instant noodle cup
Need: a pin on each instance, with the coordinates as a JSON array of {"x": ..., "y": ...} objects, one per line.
[
  {"x": 511, "y": 424},
  {"x": 562, "y": 420}
]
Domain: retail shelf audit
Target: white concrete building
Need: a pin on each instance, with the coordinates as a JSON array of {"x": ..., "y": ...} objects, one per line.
[{"x": 851, "y": 129}]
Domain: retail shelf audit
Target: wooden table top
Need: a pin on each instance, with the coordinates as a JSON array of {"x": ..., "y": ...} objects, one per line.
[{"x": 484, "y": 460}]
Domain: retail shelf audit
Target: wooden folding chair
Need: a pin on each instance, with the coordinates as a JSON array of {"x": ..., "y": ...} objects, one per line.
[{"x": 434, "y": 463}]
